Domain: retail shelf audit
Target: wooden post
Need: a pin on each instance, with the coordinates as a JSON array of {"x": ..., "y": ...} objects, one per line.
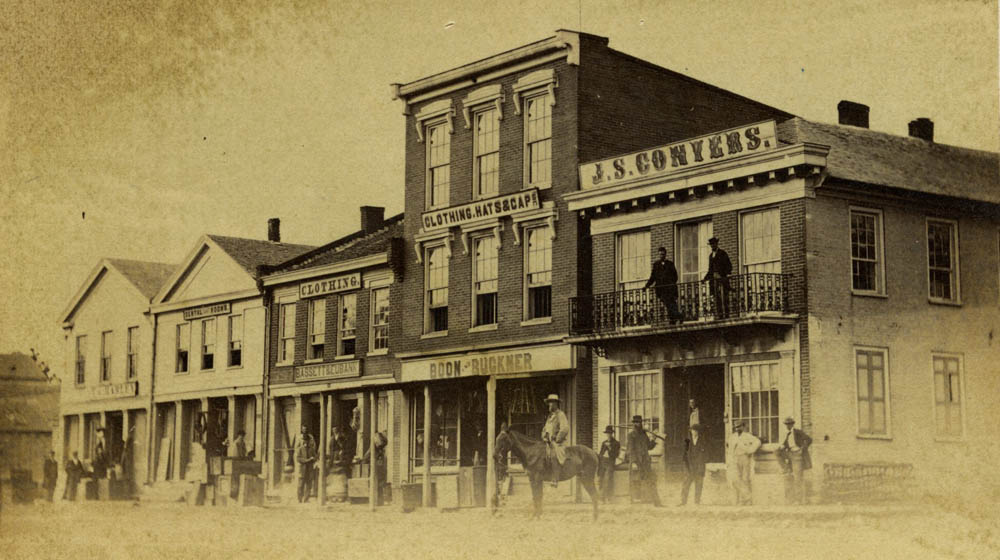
[
  {"x": 427, "y": 446},
  {"x": 372, "y": 479},
  {"x": 272, "y": 456},
  {"x": 258, "y": 429},
  {"x": 178, "y": 436},
  {"x": 125, "y": 424},
  {"x": 80, "y": 440},
  {"x": 322, "y": 439},
  {"x": 300, "y": 414},
  {"x": 152, "y": 442},
  {"x": 231, "y": 425},
  {"x": 491, "y": 429}
]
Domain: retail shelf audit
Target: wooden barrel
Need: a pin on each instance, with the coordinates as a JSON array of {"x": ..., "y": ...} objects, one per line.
[{"x": 336, "y": 486}]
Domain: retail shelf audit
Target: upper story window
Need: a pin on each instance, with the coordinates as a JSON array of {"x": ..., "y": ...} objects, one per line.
[
  {"x": 761, "y": 235},
  {"x": 693, "y": 250},
  {"x": 317, "y": 329},
  {"x": 183, "y": 345},
  {"x": 348, "y": 323},
  {"x": 942, "y": 260},
  {"x": 486, "y": 154},
  {"x": 286, "y": 333},
  {"x": 484, "y": 281},
  {"x": 872, "y": 369},
  {"x": 380, "y": 319},
  {"x": 436, "y": 289},
  {"x": 132, "y": 353},
  {"x": 948, "y": 393},
  {"x": 538, "y": 272},
  {"x": 633, "y": 260},
  {"x": 106, "y": 345},
  {"x": 867, "y": 265},
  {"x": 81, "y": 359},
  {"x": 438, "y": 165},
  {"x": 535, "y": 93},
  {"x": 235, "y": 340},
  {"x": 208, "y": 344}
]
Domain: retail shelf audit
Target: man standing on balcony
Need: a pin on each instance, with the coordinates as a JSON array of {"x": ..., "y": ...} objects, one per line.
[
  {"x": 663, "y": 276},
  {"x": 719, "y": 269}
]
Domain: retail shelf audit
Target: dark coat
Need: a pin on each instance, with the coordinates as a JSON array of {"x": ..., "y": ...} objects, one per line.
[
  {"x": 639, "y": 445},
  {"x": 695, "y": 455},
  {"x": 51, "y": 472},
  {"x": 719, "y": 264},
  {"x": 611, "y": 448},
  {"x": 663, "y": 276},
  {"x": 802, "y": 441}
]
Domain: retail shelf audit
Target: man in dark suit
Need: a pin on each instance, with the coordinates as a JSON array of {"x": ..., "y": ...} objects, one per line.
[
  {"x": 51, "y": 472},
  {"x": 638, "y": 448},
  {"x": 695, "y": 454},
  {"x": 794, "y": 457},
  {"x": 607, "y": 458},
  {"x": 74, "y": 471},
  {"x": 663, "y": 276},
  {"x": 719, "y": 269}
]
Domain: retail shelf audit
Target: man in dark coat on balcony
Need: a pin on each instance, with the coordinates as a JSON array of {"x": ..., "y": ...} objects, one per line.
[
  {"x": 663, "y": 277},
  {"x": 719, "y": 269}
]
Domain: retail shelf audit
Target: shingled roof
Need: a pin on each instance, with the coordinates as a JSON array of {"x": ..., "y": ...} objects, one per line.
[
  {"x": 352, "y": 246},
  {"x": 148, "y": 277},
  {"x": 251, "y": 253},
  {"x": 878, "y": 158}
]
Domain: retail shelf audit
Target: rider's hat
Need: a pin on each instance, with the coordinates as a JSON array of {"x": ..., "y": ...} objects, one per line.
[
  {"x": 637, "y": 418},
  {"x": 552, "y": 397}
]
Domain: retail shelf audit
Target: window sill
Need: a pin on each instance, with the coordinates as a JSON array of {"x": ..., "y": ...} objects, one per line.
[
  {"x": 80, "y": 385},
  {"x": 436, "y": 334},
  {"x": 484, "y": 328},
  {"x": 380, "y": 352},
  {"x": 869, "y": 294},
  {"x": 343, "y": 357},
  {"x": 313, "y": 361},
  {"x": 185, "y": 372},
  {"x": 229, "y": 368},
  {"x": 541, "y": 186},
  {"x": 945, "y": 302},
  {"x": 941, "y": 439},
  {"x": 537, "y": 321},
  {"x": 876, "y": 437},
  {"x": 284, "y": 364}
]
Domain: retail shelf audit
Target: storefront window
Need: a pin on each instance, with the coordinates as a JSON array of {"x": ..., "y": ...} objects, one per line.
[
  {"x": 458, "y": 420},
  {"x": 755, "y": 398},
  {"x": 521, "y": 405},
  {"x": 638, "y": 394}
]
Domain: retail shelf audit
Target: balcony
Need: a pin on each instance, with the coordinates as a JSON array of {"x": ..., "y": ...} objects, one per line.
[{"x": 744, "y": 298}]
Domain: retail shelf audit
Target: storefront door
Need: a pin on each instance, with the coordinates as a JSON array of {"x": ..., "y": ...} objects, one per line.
[{"x": 704, "y": 384}]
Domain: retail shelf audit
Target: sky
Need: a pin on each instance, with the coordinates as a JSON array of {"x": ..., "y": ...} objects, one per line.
[{"x": 130, "y": 129}]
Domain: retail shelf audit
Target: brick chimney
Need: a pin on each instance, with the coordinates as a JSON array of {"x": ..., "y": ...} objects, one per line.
[
  {"x": 372, "y": 218},
  {"x": 922, "y": 128},
  {"x": 851, "y": 113},
  {"x": 274, "y": 230}
]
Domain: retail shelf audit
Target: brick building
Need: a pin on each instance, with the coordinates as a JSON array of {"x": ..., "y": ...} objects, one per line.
[
  {"x": 333, "y": 326},
  {"x": 494, "y": 252},
  {"x": 852, "y": 251}
]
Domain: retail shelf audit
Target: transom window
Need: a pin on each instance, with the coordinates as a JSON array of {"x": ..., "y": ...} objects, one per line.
[
  {"x": 538, "y": 272},
  {"x": 761, "y": 233},
  {"x": 485, "y": 281},
  {"x": 348, "y": 323},
  {"x": 81, "y": 359},
  {"x": 538, "y": 140},
  {"x": 436, "y": 291},
  {"x": 380, "y": 319},
  {"x": 633, "y": 260},
  {"x": 948, "y": 396},
  {"x": 317, "y": 328},
  {"x": 872, "y": 374},
  {"x": 754, "y": 398},
  {"x": 639, "y": 393},
  {"x": 208, "y": 344},
  {"x": 183, "y": 347},
  {"x": 132, "y": 353},
  {"x": 487, "y": 154},
  {"x": 106, "y": 344},
  {"x": 438, "y": 164},
  {"x": 866, "y": 251},
  {"x": 942, "y": 260},
  {"x": 286, "y": 322},
  {"x": 235, "y": 340}
]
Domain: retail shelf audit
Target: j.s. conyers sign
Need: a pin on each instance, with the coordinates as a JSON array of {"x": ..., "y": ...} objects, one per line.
[
  {"x": 489, "y": 208},
  {"x": 694, "y": 152}
]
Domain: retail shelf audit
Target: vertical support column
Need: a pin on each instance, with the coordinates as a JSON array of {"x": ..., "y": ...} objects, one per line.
[
  {"x": 80, "y": 441},
  {"x": 104, "y": 424},
  {"x": 258, "y": 428},
  {"x": 126, "y": 424},
  {"x": 372, "y": 479},
  {"x": 152, "y": 444},
  {"x": 491, "y": 429},
  {"x": 272, "y": 456},
  {"x": 231, "y": 426},
  {"x": 427, "y": 446},
  {"x": 299, "y": 413},
  {"x": 178, "y": 437},
  {"x": 321, "y": 492}
]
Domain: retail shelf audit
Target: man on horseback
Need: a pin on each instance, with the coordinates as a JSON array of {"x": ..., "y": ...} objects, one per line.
[{"x": 554, "y": 435}]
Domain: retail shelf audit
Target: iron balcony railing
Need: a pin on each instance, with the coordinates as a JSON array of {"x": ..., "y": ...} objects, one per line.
[{"x": 737, "y": 296}]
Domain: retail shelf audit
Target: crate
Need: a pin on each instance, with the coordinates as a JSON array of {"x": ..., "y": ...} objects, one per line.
[
  {"x": 251, "y": 491},
  {"x": 237, "y": 467},
  {"x": 447, "y": 492},
  {"x": 411, "y": 496}
]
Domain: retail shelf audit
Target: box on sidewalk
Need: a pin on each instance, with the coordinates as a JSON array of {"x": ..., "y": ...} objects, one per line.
[
  {"x": 251, "y": 491},
  {"x": 90, "y": 489},
  {"x": 103, "y": 489},
  {"x": 234, "y": 466}
]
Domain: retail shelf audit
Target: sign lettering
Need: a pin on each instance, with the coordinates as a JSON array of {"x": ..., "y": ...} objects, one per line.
[
  {"x": 335, "y": 370},
  {"x": 490, "y": 208},
  {"x": 489, "y": 363},
  {"x": 129, "y": 389},
  {"x": 688, "y": 154},
  {"x": 330, "y": 285},
  {"x": 206, "y": 311}
]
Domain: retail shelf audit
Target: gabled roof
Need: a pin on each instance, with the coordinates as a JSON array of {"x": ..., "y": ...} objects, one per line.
[
  {"x": 878, "y": 158},
  {"x": 355, "y": 245},
  {"x": 146, "y": 277},
  {"x": 251, "y": 253}
]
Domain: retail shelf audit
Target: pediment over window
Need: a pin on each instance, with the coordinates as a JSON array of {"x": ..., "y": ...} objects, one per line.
[
  {"x": 434, "y": 110},
  {"x": 482, "y": 96},
  {"x": 545, "y": 78}
]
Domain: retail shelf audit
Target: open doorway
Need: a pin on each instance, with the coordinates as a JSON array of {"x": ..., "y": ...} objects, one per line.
[{"x": 705, "y": 386}]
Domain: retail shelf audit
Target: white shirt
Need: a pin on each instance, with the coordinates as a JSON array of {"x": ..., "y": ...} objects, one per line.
[
  {"x": 745, "y": 444},
  {"x": 790, "y": 440}
]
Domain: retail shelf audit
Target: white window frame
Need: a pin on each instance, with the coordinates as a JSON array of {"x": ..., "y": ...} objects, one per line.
[
  {"x": 429, "y": 128},
  {"x": 644, "y": 251},
  {"x": 886, "y": 397},
  {"x": 544, "y": 230},
  {"x": 80, "y": 367},
  {"x": 204, "y": 347},
  {"x": 428, "y": 321},
  {"x": 374, "y": 323},
  {"x": 475, "y": 280},
  {"x": 880, "y": 288},
  {"x": 731, "y": 406},
  {"x": 956, "y": 291},
  {"x": 311, "y": 334},
  {"x": 962, "y": 382},
  {"x": 132, "y": 352},
  {"x": 234, "y": 338},
  {"x": 107, "y": 346},
  {"x": 341, "y": 319},
  {"x": 616, "y": 403},
  {"x": 477, "y": 114},
  {"x": 744, "y": 264},
  {"x": 540, "y": 83},
  {"x": 544, "y": 97},
  {"x": 705, "y": 226},
  {"x": 286, "y": 353},
  {"x": 182, "y": 344}
]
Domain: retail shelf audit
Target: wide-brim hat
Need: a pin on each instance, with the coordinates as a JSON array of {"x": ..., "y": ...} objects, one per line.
[
  {"x": 552, "y": 398},
  {"x": 713, "y": 240},
  {"x": 609, "y": 430},
  {"x": 789, "y": 420},
  {"x": 637, "y": 418}
]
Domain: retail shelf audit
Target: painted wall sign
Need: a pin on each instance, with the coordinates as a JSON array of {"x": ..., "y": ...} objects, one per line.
[
  {"x": 334, "y": 370},
  {"x": 481, "y": 209},
  {"x": 128, "y": 389},
  {"x": 520, "y": 360},
  {"x": 325, "y": 286},
  {"x": 206, "y": 311},
  {"x": 688, "y": 154}
]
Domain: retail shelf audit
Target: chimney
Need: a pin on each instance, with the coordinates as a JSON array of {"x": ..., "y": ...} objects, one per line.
[
  {"x": 922, "y": 128},
  {"x": 372, "y": 218},
  {"x": 851, "y": 113},
  {"x": 274, "y": 230}
]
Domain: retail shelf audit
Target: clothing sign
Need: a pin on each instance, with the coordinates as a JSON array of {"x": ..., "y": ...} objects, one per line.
[
  {"x": 334, "y": 370},
  {"x": 517, "y": 360},
  {"x": 129, "y": 389},
  {"x": 206, "y": 311},
  {"x": 489, "y": 208},
  {"x": 688, "y": 154},
  {"x": 325, "y": 286}
]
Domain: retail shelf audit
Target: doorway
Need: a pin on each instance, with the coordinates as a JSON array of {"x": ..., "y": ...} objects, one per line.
[{"x": 705, "y": 384}]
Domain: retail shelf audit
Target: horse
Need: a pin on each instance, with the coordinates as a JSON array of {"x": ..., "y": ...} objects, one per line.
[{"x": 581, "y": 462}]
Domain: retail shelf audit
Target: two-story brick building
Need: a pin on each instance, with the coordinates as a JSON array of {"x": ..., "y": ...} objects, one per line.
[
  {"x": 108, "y": 329},
  {"x": 494, "y": 252},
  {"x": 851, "y": 250}
]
